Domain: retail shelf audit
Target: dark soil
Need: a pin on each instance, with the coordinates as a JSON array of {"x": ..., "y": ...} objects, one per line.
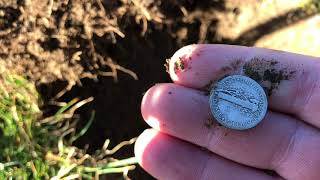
[
  {"x": 93, "y": 48},
  {"x": 267, "y": 73},
  {"x": 117, "y": 104}
]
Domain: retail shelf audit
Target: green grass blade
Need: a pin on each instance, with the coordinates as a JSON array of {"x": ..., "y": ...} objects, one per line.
[
  {"x": 115, "y": 170},
  {"x": 67, "y": 106},
  {"x": 124, "y": 162},
  {"x": 84, "y": 129}
]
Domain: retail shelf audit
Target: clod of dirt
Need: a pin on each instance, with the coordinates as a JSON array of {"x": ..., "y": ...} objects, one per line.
[
  {"x": 166, "y": 65},
  {"x": 180, "y": 65},
  {"x": 267, "y": 73},
  {"x": 209, "y": 122},
  {"x": 8, "y": 17}
]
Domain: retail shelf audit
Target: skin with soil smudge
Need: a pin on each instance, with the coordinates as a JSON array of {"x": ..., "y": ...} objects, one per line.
[
  {"x": 267, "y": 73},
  {"x": 224, "y": 71},
  {"x": 180, "y": 65},
  {"x": 209, "y": 122}
]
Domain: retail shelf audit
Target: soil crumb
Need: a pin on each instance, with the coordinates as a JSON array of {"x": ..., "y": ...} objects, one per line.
[
  {"x": 166, "y": 65},
  {"x": 209, "y": 122},
  {"x": 267, "y": 73},
  {"x": 180, "y": 65}
]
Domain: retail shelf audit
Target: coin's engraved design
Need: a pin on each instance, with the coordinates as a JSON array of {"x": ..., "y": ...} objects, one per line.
[{"x": 238, "y": 102}]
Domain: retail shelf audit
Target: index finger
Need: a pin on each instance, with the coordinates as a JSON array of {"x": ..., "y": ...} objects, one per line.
[{"x": 291, "y": 80}]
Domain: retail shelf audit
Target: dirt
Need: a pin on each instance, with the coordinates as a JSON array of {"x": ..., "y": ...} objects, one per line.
[
  {"x": 264, "y": 71},
  {"x": 209, "y": 122},
  {"x": 267, "y": 73},
  {"x": 180, "y": 65},
  {"x": 115, "y": 50},
  {"x": 117, "y": 105}
]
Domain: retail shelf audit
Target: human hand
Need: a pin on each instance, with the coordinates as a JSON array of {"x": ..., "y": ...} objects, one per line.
[{"x": 186, "y": 143}]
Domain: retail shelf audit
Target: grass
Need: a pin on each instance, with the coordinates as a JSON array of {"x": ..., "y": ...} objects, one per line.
[{"x": 36, "y": 148}]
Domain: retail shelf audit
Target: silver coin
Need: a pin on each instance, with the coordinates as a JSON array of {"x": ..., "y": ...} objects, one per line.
[{"x": 238, "y": 102}]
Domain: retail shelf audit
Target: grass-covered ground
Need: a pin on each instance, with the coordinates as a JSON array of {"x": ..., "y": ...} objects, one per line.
[{"x": 36, "y": 148}]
